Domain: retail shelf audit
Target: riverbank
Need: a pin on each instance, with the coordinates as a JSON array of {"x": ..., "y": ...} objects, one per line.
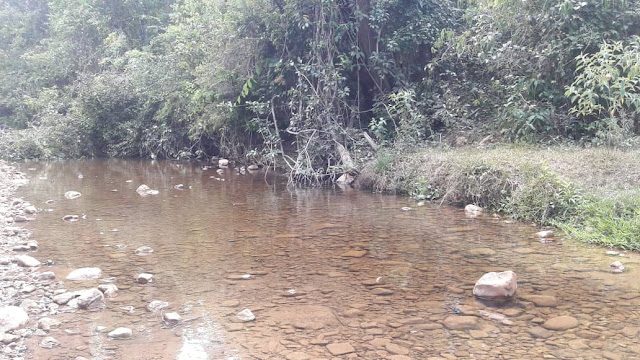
[
  {"x": 26, "y": 288},
  {"x": 592, "y": 194}
]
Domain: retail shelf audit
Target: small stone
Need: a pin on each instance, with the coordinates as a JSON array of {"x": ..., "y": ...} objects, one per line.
[
  {"x": 144, "y": 278},
  {"x": 223, "y": 162},
  {"x": 70, "y": 218},
  {"x": 337, "y": 349},
  {"x": 49, "y": 343},
  {"x": 143, "y": 250},
  {"x": 121, "y": 333},
  {"x": 72, "y": 195},
  {"x": 245, "y": 315},
  {"x": 64, "y": 298},
  {"x": 560, "y": 323},
  {"x": 47, "y": 275},
  {"x": 109, "y": 290},
  {"x": 253, "y": 167},
  {"x": 88, "y": 273},
  {"x": 47, "y": 323},
  {"x": 171, "y": 318},
  {"x": 89, "y": 298},
  {"x": 157, "y": 305},
  {"x": 26, "y": 261},
  {"x": 9, "y": 338}
]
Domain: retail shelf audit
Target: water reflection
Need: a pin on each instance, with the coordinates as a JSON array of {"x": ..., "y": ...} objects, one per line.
[{"x": 332, "y": 272}]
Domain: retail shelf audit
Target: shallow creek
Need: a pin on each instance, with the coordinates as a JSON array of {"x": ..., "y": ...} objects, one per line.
[{"x": 328, "y": 273}]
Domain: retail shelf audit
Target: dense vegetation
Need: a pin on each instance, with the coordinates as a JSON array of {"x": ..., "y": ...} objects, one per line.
[{"x": 312, "y": 85}]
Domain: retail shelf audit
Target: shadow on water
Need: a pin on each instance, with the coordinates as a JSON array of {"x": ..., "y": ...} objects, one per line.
[{"x": 325, "y": 271}]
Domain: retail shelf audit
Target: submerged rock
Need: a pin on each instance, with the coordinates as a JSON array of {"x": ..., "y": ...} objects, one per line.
[
  {"x": 109, "y": 290},
  {"x": 88, "y": 273},
  {"x": 245, "y": 315},
  {"x": 616, "y": 267},
  {"x": 455, "y": 322},
  {"x": 121, "y": 333},
  {"x": 544, "y": 233},
  {"x": 70, "y": 218},
  {"x": 496, "y": 285},
  {"x": 171, "y": 318},
  {"x": 157, "y": 305},
  {"x": 90, "y": 298},
  {"x": 253, "y": 167},
  {"x": 143, "y": 250},
  {"x": 561, "y": 323},
  {"x": 12, "y": 318},
  {"x": 144, "y": 190},
  {"x": 72, "y": 195},
  {"x": 144, "y": 278}
]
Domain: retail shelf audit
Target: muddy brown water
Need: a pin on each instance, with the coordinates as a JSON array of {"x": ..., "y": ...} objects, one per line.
[{"x": 325, "y": 271}]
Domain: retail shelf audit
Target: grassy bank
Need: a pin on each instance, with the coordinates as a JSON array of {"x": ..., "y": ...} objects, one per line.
[{"x": 592, "y": 194}]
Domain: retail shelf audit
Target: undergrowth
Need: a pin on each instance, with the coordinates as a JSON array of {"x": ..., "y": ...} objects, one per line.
[{"x": 541, "y": 186}]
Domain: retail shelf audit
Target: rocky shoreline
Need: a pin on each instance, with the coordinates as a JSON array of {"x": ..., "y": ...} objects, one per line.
[{"x": 26, "y": 287}]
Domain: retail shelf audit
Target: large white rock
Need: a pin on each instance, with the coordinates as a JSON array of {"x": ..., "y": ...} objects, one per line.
[
  {"x": 85, "y": 274},
  {"x": 12, "y": 318},
  {"x": 223, "y": 162},
  {"x": 496, "y": 285}
]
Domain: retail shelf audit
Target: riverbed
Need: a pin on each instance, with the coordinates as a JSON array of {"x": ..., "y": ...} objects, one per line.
[{"x": 327, "y": 273}]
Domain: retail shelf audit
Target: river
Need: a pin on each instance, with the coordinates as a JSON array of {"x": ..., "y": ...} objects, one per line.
[{"x": 336, "y": 272}]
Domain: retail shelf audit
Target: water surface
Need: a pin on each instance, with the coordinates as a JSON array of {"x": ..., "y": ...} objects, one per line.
[{"x": 317, "y": 267}]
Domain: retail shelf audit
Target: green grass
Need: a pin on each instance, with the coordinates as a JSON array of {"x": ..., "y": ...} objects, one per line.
[{"x": 592, "y": 194}]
